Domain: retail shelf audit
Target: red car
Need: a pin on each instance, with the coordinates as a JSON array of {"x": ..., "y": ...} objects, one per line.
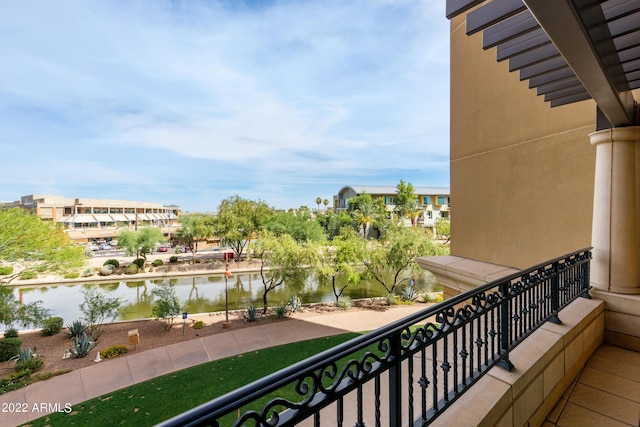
[{"x": 162, "y": 249}]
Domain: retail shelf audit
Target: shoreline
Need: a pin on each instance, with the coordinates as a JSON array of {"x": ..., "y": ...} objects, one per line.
[{"x": 198, "y": 269}]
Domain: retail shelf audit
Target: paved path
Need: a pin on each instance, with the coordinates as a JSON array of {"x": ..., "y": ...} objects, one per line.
[{"x": 20, "y": 406}]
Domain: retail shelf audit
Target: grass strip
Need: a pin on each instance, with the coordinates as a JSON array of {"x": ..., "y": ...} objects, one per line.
[{"x": 158, "y": 399}]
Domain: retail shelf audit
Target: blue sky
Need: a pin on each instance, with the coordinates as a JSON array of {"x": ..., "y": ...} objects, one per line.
[{"x": 190, "y": 102}]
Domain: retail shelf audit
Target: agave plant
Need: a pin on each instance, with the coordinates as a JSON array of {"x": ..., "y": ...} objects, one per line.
[
  {"x": 294, "y": 303},
  {"x": 409, "y": 294},
  {"x": 24, "y": 355},
  {"x": 83, "y": 345},
  {"x": 252, "y": 313},
  {"x": 76, "y": 328}
]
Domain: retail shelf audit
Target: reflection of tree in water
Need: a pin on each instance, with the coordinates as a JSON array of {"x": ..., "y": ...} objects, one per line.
[
  {"x": 143, "y": 304},
  {"x": 109, "y": 287},
  {"x": 194, "y": 288}
]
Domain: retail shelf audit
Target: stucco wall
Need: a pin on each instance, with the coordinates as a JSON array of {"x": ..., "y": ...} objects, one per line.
[{"x": 521, "y": 172}]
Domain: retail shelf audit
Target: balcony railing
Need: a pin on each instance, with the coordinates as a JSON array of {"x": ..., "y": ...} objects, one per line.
[{"x": 410, "y": 371}]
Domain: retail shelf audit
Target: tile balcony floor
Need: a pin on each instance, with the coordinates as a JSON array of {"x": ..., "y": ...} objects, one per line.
[{"x": 606, "y": 392}]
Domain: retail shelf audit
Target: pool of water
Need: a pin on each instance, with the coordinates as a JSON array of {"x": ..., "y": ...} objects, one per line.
[{"x": 199, "y": 294}]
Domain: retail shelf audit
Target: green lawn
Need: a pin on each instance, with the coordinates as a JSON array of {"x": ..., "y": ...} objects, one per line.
[{"x": 156, "y": 400}]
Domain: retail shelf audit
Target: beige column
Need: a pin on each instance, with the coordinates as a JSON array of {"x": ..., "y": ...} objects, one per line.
[{"x": 614, "y": 236}]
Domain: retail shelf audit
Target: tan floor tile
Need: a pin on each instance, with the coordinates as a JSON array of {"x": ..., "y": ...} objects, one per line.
[
  {"x": 555, "y": 413},
  {"x": 574, "y": 416},
  {"x": 606, "y": 404},
  {"x": 615, "y": 367},
  {"x": 619, "y": 354},
  {"x": 611, "y": 383}
]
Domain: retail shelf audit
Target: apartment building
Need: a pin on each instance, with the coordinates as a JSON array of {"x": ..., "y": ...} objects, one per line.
[
  {"x": 97, "y": 220},
  {"x": 434, "y": 201}
]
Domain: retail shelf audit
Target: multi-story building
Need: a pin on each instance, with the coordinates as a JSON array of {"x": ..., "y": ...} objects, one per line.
[
  {"x": 88, "y": 220},
  {"x": 434, "y": 201}
]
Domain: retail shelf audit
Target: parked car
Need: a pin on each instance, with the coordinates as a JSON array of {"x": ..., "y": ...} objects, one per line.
[
  {"x": 105, "y": 247},
  {"x": 162, "y": 249},
  {"x": 94, "y": 247}
]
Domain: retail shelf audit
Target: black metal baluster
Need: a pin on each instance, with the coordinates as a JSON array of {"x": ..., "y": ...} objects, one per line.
[
  {"x": 555, "y": 294},
  {"x": 505, "y": 326},
  {"x": 395, "y": 381},
  {"x": 377, "y": 403}
]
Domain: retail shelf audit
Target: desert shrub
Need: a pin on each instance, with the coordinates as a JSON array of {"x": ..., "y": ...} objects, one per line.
[
  {"x": 113, "y": 351},
  {"x": 431, "y": 296},
  {"x": 82, "y": 346},
  {"x": 173, "y": 259},
  {"x": 98, "y": 309},
  {"x": 139, "y": 262},
  {"x": 294, "y": 303},
  {"x": 252, "y": 314},
  {"x": 280, "y": 312},
  {"x": 9, "y": 347},
  {"x": 167, "y": 304},
  {"x": 113, "y": 262},
  {"x": 198, "y": 324},
  {"x": 5, "y": 270},
  {"x": 391, "y": 299},
  {"x": 11, "y": 333},
  {"x": 107, "y": 270},
  {"x": 157, "y": 262},
  {"x": 33, "y": 364},
  {"x": 87, "y": 273},
  {"x": 131, "y": 269},
  {"x": 28, "y": 359},
  {"x": 408, "y": 294},
  {"x": 72, "y": 275},
  {"x": 76, "y": 328},
  {"x": 27, "y": 275},
  {"x": 345, "y": 303},
  {"x": 52, "y": 326}
]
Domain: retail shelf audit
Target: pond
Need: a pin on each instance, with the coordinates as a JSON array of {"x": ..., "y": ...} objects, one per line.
[{"x": 199, "y": 294}]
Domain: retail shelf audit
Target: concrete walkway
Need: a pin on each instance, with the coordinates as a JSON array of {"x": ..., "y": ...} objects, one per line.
[{"x": 38, "y": 399}]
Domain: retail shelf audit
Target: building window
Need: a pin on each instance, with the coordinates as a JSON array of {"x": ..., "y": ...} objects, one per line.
[
  {"x": 426, "y": 200},
  {"x": 389, "y": 200},
  {"x": 430, "y": 214},
  {"x": 440, "y": 200}
]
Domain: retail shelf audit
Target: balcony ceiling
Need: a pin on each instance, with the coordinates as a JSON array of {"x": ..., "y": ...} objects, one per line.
[{"x": 568, "y": 50}]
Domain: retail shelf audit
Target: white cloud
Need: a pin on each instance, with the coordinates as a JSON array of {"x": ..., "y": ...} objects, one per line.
[{"x": 279, "y": 92}]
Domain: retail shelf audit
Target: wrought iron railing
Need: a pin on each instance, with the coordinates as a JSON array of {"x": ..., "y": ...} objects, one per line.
[{"x": 410, "y": 371}]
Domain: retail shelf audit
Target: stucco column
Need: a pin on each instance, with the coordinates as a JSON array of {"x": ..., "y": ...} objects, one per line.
[{"x": 614, "y": 236}]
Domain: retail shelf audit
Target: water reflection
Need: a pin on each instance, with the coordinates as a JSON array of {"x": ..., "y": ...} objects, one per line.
[{"x": 200, "y": 294}]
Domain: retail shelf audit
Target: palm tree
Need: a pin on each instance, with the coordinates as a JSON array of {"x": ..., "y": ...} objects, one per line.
[
  {"x": 412, "y": 210},
  {"x": 366, "y": 215},
  {"x": 318, "y": 201},
  {"x": 325, "y": 202}
]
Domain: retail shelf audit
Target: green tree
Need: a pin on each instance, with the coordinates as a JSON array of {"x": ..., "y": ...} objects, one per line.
[
  {"x": 406, "y": 200},
  {"x": 194, "y": 228},
  {"x": 140, "y": 243},
  {"x": 334, "y": 223},
  {"x": 36, "y": 245},
  {"x": 166, "y": 305},
  {"x": 31, "y": 245},
  {"x": 413, "y": 210},
  {"x": 239, "y": 220},
  {"x": 367, "y": 214},
  {"x": 98, "y": 309},
  {"x": 281, "y": 258},
  {"x": 302, "y": 228},
  {"x": 318, "y": 201},
  {"x": 443, "y": 229},
  {"x": 391, "y": 260},
  {"x": 344, "y": 258},
  {"x": 325, "y": 202}
]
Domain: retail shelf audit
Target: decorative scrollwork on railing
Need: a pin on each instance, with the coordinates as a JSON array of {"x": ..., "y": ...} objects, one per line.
[{"x": 463, "y": 338}]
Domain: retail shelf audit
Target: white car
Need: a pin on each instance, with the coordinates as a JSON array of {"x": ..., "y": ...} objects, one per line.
[{"x": 94, "y": 247}]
